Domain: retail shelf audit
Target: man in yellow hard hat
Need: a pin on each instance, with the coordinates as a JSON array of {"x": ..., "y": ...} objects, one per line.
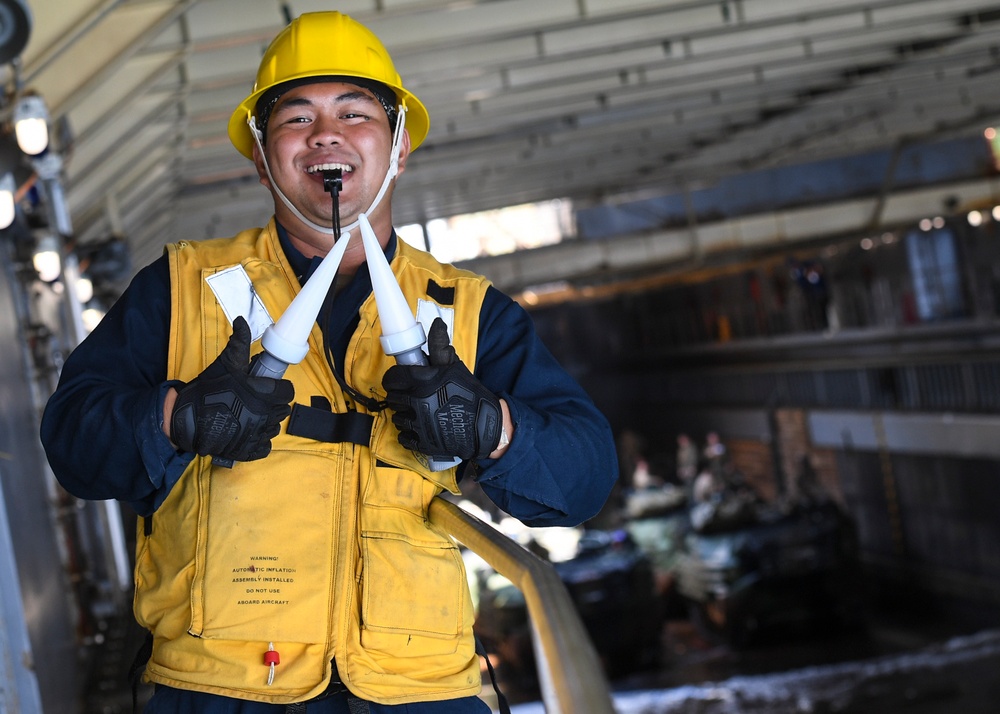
[{"x": 284, "y": 560}]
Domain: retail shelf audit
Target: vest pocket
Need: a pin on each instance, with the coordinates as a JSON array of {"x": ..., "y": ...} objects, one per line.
[
  {"x": 413, "y": 596},
  {"x": 265, "y": 561}
]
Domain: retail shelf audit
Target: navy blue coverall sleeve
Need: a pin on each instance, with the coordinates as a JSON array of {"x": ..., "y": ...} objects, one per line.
[
  {"x": 102, "y": 427},
  {"x": 561, "y": 463}
]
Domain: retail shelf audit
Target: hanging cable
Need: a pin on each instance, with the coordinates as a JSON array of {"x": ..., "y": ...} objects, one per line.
[{"x": 333, "y": 182}]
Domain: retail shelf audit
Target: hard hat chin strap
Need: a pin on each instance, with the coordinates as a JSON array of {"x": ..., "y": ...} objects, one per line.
[{"x": 397, "y": 139}]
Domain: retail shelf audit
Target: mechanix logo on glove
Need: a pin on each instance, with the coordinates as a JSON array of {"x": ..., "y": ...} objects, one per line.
[{"x": 441, "y": 409}]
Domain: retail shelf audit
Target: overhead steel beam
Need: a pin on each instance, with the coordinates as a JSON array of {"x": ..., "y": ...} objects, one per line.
[
  {"x": 584, "y": 260},
  {"x": 90, "y": 84},
  {"x": 129, "y": 178},
  {"x": 65, "y": 42},
  {"x": 83, "y": 174}
]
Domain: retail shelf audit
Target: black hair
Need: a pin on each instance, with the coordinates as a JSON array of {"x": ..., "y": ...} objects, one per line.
[{"x": 383, "y": 93}]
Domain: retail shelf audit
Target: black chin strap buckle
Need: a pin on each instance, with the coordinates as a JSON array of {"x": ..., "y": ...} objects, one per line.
[{"x": 333, "y": 182}]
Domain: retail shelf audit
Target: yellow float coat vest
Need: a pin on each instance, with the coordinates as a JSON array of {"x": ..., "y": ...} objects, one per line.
[{"x": 321, "y": 550}]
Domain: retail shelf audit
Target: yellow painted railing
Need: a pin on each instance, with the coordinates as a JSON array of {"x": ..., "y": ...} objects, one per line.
[{"x": 572, "y": 681}]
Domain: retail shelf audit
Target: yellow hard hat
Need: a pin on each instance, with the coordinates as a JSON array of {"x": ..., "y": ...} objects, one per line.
[{"x": 325, "y": 44}]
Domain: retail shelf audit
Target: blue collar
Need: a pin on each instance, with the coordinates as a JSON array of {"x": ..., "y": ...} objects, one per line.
[{"x": 304, "y": 266}]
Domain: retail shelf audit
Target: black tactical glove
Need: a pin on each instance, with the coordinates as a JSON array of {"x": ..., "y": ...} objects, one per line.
[
  {"x": 441, "y": 410},
  {"x": 226, "y": 413}
]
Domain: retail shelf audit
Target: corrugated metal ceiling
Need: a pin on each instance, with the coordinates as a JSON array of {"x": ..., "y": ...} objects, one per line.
[{"x": 595, "y": 100}]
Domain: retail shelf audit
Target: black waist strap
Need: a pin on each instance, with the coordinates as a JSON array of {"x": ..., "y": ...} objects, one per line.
[
  {"x": 330, "y": 427},
  {"x": 335, "y": 688}
]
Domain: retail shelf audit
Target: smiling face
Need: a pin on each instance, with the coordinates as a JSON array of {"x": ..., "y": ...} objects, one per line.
[{"x": 321, "y": 126}]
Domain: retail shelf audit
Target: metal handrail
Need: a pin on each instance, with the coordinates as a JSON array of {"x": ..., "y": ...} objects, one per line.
[{"x": 570, "y": 672}]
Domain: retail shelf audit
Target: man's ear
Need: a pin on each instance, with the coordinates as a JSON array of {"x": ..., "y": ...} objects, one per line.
[
  {"x": 258, "y": 162},
  {"x": 404, "y": 150}
]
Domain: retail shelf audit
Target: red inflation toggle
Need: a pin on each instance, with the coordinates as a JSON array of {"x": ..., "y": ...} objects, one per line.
[{"x": 271, "y": 657}]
